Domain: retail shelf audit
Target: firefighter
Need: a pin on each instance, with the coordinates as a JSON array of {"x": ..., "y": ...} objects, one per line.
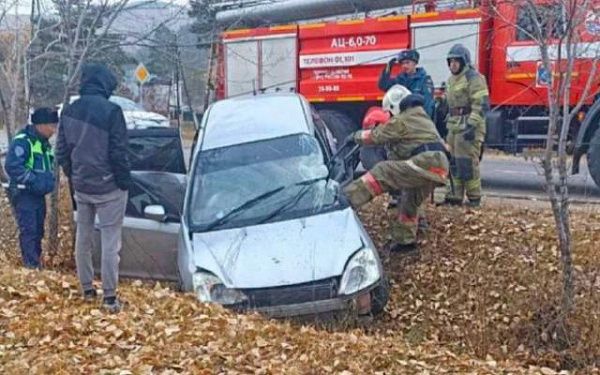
[
  {"x": 413, "y": 78},
  {"x": 468, "y": 102},
  {"x": 417, "y": 163},
  {"x": 29, "y": 166}
]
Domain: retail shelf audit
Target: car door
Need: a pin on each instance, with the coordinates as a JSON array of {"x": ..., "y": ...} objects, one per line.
[{"x": 149, "y": 247}]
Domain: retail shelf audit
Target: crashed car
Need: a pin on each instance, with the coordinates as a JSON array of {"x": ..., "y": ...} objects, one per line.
[{"x": 259, "y": 222}]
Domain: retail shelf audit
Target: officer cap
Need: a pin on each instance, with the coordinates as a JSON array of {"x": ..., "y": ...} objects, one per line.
[
  {"x": 44, "y": 115},
  {"x": 409, "y": 54}
]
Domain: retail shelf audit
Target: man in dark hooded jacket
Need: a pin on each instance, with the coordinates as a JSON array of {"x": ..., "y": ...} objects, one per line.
[{"x": 92, "y": 150}]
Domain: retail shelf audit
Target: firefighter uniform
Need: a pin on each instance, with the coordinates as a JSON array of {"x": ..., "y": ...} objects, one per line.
[
  {"x": 468, "y": 102},
  {"x": 29, "y": 165},
  {"x": 417, "y": 163}
]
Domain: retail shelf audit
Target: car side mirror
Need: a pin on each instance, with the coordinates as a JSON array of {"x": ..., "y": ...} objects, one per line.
[{"x": 156, "y": 213}]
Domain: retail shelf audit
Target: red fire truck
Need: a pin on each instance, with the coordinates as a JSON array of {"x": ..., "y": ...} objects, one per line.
[{"x": 336, "y": 66}]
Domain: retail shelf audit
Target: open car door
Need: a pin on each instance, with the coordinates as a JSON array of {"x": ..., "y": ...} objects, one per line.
[{"x": 154, "y": 206}]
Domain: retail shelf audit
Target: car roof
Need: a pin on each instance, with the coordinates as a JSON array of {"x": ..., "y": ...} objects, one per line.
[{"x": 249, "y": 119}]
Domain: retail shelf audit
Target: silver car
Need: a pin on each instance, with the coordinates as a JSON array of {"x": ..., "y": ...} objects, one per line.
[{"x": 264, "y": 225}]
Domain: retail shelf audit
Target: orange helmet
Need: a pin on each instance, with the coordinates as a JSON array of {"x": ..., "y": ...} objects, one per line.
[{"x": 375, "y": 116}]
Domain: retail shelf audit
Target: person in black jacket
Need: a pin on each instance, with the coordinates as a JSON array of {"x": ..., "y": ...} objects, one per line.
[
  {"x": 29, "y": 166},
  {"x": 92, "y": 150}
]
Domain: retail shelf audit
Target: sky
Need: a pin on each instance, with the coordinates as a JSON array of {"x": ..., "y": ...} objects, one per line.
[{"x": 24, "y": 6}]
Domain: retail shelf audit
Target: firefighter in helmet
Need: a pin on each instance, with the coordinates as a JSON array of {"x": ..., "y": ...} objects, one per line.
[
  {"x": 412, "y": 77},
  {"x": 468, "y": 102},
  {"x": 417, "y": 162}
]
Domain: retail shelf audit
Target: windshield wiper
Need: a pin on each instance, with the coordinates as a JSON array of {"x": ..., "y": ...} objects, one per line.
[
  {"x": 306, "y": 185},
  {"x": 243, "y": 207},
  {"x": 257, "y": 200}
]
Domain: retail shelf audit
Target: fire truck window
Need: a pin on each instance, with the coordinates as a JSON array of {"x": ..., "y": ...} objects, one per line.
[{"x": 550, "y": 17}]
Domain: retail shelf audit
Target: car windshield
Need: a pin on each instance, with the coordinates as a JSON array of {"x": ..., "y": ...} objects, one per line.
[
  {"x": 260, "y": 182},
  {"x": 126, "y": 104}
]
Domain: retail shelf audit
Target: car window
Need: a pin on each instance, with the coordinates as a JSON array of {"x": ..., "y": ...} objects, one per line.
[
  {"x": 321, "y": 133},
  {"x": 550, "y": 17},
  {"x": 156, "y": 188},
  {"x": 290, "y": 173}
]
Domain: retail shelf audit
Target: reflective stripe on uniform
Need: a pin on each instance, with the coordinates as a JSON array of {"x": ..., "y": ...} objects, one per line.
[
  {"x": 480, "y": 94},
  {"x": 439, "y": 171},
  {"x": 428, "y": 173},
  {"x": 372, "y": 184},
  {"x": 475, "y": 117},
  {"x": 36, "y": 148},
  {"x": 407, "y": 219}
]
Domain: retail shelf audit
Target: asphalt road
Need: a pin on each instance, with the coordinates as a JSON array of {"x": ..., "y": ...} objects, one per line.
[
  {"x": 505, "y": 176},
  {"x": 519, "y": 177}
]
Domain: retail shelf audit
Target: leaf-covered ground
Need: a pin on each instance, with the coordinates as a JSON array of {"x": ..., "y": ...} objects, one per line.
[{"x": 480, "y": 299}]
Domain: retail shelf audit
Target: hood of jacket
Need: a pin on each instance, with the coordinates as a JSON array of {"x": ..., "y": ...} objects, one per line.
[{"x": 97, "y": 79}]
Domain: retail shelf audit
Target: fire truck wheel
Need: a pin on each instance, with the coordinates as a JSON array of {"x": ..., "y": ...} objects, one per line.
[{"x": 593, "y": 157}]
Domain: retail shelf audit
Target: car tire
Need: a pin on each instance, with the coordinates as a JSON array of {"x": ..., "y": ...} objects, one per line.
[
  {"x": 593, "y": 157},
  {"x": 379, "y": 297}
]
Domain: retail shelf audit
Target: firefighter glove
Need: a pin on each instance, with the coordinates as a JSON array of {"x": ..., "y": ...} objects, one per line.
[{"x": 351, "y": 138}]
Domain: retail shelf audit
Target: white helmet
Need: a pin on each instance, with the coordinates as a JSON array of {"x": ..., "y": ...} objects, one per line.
[{"x": 393, "y": 97}]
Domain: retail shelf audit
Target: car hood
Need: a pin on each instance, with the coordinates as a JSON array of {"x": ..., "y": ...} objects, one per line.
[
  {"x": 143, "y": 119},
  {"x": 282, "y": 253}
]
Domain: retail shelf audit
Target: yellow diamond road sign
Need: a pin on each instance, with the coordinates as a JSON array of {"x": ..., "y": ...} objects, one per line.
[{"x": 142, "y": 74}]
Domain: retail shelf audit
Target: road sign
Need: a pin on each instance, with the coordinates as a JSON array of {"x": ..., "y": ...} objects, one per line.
[{"x": 142, "y": 74}]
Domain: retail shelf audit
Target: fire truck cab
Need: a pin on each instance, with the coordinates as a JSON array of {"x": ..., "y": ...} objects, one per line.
[{"x": 336, "y": 65}]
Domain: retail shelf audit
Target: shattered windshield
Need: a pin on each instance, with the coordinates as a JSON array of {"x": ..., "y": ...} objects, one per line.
[{"x": 260, "y": 182}]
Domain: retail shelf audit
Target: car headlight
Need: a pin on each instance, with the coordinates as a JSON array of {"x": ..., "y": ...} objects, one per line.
[
  {"x": 361, "y": 272},
  {"x": 210, "y": 288}
]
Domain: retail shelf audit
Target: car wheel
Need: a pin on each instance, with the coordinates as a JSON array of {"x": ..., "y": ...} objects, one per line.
[
  {"x": 593, "y": 157},
  {"x": 379, "y": 297}
]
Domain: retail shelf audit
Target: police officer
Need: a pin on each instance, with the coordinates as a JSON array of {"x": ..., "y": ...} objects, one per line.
[
  {"x": 413, "y": 78},
  {"x": 468, "y": 102},
  {"x": 417, "y": 163},
  {"x": 29, "y": 165}
]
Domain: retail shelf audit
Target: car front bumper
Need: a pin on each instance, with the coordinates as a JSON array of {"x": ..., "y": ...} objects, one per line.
[{"x": 359, "y": 303}]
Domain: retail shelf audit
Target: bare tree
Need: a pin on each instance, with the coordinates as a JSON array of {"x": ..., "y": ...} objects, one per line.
[
  {"x": 556, "y": 28},
  {"x": 13, "y": 41},
  {"x": 86, "y": 30}
]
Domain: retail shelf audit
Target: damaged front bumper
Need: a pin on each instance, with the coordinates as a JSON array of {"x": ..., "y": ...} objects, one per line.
[{"x": 359, "y": 304}]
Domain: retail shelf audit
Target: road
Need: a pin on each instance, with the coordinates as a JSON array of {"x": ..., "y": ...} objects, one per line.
[
  {"x": 503, "y": 175},
  {"x": 508, "y": 175}
]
